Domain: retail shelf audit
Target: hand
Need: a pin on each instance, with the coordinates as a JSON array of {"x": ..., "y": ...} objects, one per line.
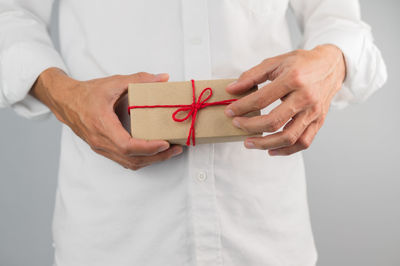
[
  {"x": 305, "y": 81},
  {"x": 87, "y": 107}
]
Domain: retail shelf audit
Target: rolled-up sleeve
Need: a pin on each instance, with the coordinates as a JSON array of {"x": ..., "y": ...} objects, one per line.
[
  {"x": 26, "y": 50},
  {"x": 338, "y": 22}
]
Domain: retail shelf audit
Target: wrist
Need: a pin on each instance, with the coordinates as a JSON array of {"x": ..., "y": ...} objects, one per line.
[
  {"x": 335, "y": 55},
  {"x": 48, "y": 84}
]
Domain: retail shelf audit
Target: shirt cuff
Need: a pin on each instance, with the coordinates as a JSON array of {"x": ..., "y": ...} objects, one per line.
[
  {"x": 20, "y": 66},
  {"x": 364, "y": 65}
]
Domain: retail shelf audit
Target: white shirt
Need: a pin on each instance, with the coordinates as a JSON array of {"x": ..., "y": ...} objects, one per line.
[{"x": 216, "y": 204}]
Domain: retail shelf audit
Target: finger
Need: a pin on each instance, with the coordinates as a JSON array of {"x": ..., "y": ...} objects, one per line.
[
  {"x": 122, "y": 81},
  {"x": 123, "y": 143},
  {"x": 113, "y": 157},
  {"x": 273, "y": 121},
  {"x": 142, "y": 161},
  {"x": 257, "y": 100},
  {"x": 302, "y": 143},
  {"x": 254, "y": 76},
  {"x": 287, "y": 137}
]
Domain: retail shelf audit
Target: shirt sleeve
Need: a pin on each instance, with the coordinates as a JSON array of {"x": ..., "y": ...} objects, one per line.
[
  {"x": 338, "y": 22},
  {"x": 26, "y": 50}
]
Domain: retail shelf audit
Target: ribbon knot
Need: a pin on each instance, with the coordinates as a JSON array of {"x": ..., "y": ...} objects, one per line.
[{"x": 191, "y": 109}]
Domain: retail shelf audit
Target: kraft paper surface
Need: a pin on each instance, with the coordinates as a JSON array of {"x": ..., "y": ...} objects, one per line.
[{"x": 211, "y": 125}]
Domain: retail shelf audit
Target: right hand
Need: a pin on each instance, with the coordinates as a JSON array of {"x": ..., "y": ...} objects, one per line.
[{"x": 87, "y": 107}]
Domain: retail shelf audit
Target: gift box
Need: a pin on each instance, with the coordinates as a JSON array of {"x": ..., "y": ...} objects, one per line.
[{"x": 189, "y": 112}]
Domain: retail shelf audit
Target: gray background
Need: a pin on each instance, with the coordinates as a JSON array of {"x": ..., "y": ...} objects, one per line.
[{"x": 353, "y": 173}]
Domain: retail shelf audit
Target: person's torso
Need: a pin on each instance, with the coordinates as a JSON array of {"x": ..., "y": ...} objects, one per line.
[{"x": 216, "y": 204}]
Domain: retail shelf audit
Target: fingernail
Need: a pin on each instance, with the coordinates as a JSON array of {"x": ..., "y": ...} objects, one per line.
[
  {"x": 273, "y": 152},
  {"x": 249, "y": 144},
  {"x": 229, "y": 112},
  {"x": 236, "y": 123},
  {"x": 163, "y": 148}
]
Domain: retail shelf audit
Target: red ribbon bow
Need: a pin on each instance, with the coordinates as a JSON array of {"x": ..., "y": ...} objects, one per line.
[{"x": 192, "y": 109}]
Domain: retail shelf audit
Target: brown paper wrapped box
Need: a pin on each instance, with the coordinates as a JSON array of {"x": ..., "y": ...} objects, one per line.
[{"x": 211, "y": 124}]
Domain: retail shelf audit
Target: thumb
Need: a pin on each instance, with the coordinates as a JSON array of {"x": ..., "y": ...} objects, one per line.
[
  {"x": 162, "y": 77},
  {"x": 252, "y": 77},
  {"x": 144, "y": 77},
  {"x": 121, "y": 82}
]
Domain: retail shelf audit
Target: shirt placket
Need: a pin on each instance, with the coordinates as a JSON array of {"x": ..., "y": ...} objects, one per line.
[{"x": 205, "y": 230}]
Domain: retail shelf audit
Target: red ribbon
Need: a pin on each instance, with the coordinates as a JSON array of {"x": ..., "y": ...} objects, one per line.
[{"x": 192, "y": 109}]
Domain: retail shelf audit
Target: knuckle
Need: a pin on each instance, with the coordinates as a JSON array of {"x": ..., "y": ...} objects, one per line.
[
  {"x": 142, "y": 75},
  {"x": 275, "y": 124},
  {"x": 292, "y": 110},
  {"x": 264, "y": 146},
  {"x": 124, "y": 148},
  {"x": 304, "y": 143},
  {"x": 296, "y": 79},
  {"x": 258, "y": 103},
  {"x": 289, "y": 139},
  {"x": 310, "y": 98},
  {"x": 317, "y": 110}
]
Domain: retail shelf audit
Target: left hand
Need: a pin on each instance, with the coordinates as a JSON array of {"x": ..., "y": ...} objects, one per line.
[{"x": 305, "y": 81}]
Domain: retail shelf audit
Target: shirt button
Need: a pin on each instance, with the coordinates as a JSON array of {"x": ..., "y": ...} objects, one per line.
[
  {"x": 196, "y": 41},
  {"x": 201, "y": 176}
]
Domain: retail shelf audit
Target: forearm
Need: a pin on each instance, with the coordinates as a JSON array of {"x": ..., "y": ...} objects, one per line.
[
  {"x": 48, "y": 80},
  {"x": 26, "y": 50}
]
